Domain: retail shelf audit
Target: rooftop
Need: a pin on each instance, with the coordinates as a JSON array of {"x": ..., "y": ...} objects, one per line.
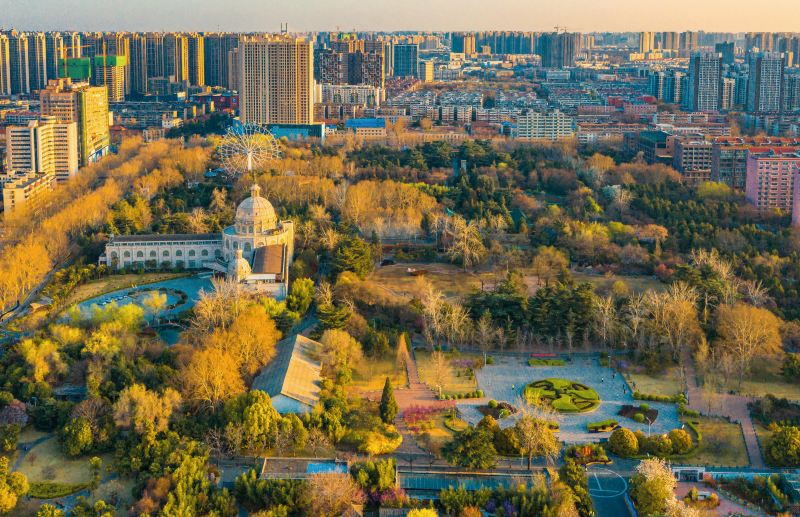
[{"x": 167, "y": 237}]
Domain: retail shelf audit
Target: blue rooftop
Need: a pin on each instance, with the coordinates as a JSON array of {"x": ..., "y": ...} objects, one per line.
[{"x": 355, "y": 123}]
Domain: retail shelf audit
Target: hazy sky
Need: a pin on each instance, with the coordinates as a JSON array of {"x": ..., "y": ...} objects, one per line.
[{"x": 303, "y": 15}]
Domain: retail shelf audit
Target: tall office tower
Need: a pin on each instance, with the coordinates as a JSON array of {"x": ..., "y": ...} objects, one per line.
[
  {"x": 689, "y": 41},
  {"x": 765, "y": 82},
  {"x": 791, "y": 93},
  {"x": 45, "y": 147},
  {"x": 55, "y": 51},
  {"x": 704, "y": 88},
  {"x": 85, "y": 105},
  {"x": 176, "y": 57},
  {"x": 276, "y": 82},
  {"x": 670, "y": 41},
  {"x": 463, "y": 43},
  {"x": 197, "y": 60},
  {"x": 19, "y": 63},
  {"x": 558, "y": 49},
  {"x": 72, "y": 40},
  {"x": 5, "y": 66},
  {"x": 647, "y": 42},
  {"x": 109, "y": 71},
  {"x": 37, "y": 60},
  {"x": 217, "y": 47},
  {"x": 728, "y": 51},
  {"x": 667, "y": 86},
  {"x": 406, "y": 60}
]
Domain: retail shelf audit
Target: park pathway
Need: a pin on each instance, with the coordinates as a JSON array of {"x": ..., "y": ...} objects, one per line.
[{"x": 729, "y": 406}]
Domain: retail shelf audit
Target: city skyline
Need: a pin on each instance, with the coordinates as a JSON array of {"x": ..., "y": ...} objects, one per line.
[{"x": 443, "y": 15}]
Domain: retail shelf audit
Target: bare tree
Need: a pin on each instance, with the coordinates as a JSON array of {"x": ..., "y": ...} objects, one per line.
[{"x": 466, "y": 244}]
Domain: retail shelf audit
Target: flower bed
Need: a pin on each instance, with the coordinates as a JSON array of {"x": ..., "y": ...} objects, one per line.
[
  {"x": 546, "y": 362},
  {"x": 604, "y": 426},
  {"x": 647, "y": 413},
  {"x": 497, "y": 410}
]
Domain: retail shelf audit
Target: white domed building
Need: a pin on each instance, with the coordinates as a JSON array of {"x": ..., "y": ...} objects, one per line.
[{"x": 256, "y": 250}]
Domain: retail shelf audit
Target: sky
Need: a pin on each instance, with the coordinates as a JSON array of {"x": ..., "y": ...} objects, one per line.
[{"x": 390, "y": 15}]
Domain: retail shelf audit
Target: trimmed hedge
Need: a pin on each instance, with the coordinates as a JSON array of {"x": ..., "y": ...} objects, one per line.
[
  {"x": 675, "y": 399},
  {"x": 477, "y": 394},
  {"x": 693, "y": 426},
  {"x": 49, "y": 490},
  {"x": 546, "y": 362},
  {"x": 602, "y": 426}
]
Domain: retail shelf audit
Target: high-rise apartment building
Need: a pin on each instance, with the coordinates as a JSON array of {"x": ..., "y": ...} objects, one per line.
[
  {"x": 667, "y": 86},
  {"x": 406, "y": 60},
  {"x": 558, "y": 49},
  {"x": 791, "y": 93},
  {"x": 24, "y": 191},
  {"x": 55, "y": 50},
  {"x": 704, "y": 86},
  {"x": 37, "y": 60},
  {"x": 670, "y": 41},
  {"x": 765, "y": 82},
  {"x": 217, "y": 49},
  {"x": 85, "y": 105},
  {"x": 349, "y": 67},
  {"x": 772, "y": 181},
  {"x": 19, "y": 63},
  {"x": 690, "y": 40},
  {"x": 5, "y": 66},
  {"x": 647, "y": 42},
  {"x": 43, "y": 146},
  {"x": 197, "y": 60},
  {"x": 728, "y": 51},
  {"x": 463, "y": 43},
  {"x": 276, "y": 81},
  {"x": 109, "y": 71}
]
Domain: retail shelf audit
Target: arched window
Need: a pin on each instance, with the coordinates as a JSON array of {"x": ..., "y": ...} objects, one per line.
[
  {"x": 166, "y": 253},
  {"x": 247, "y": 246},
  {"x": 218, "y": 253},
  {"x": 236, "y": 245},
  {"x": 205, "y": 253},
  {"x": 153, "y": 254},
  {"x": 192, "y": 253},
  {"x": 127, "y": 254},
  {"x": 114, "y": 255},
  {"x": 139, "y": 254},
  {"x": 179, "y": 253}
]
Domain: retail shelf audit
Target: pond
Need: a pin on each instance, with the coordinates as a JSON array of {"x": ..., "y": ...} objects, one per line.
[
  {"x": 182, "y": 294},
  {"x": 169, "y": 334}
]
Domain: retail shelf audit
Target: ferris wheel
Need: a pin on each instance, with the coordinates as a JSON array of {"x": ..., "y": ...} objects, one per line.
[{"x": 246, "y": 148}]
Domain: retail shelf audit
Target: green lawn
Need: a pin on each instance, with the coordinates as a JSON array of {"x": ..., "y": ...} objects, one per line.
[
  {"x": 667, "y": 383},
  {"x": 722, "y": 444},
  {"x": 454, "y": 380}
]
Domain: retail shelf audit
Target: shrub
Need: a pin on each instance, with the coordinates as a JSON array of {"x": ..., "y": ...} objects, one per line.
[
  {"x": 623, "y": 442},
  {"x": 639, "y": 418},
  {"x": 504, "y": 413},
  {"x": 602, "y": 426},
  {"x": 490, "y": 360},
  {"x": 681, "y": 441},
  {"x": 49, "y": 490},
  {"x": 645, "y": 407},
  {"x": 381, "y": 441},
  {"x": 492, "y": 404}
]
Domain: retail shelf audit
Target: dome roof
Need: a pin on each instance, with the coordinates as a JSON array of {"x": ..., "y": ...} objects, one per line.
[{"x": 256, "y": 211}]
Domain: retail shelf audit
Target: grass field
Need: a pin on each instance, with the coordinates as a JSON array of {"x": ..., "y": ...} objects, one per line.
[
  {"x": 370, "y": 375},
  {"x": 668, "y": 383},
  {"x": 766, "y": 379},
  {"x": 46, "y": 462},
  {"x": 454, "y": 380},
  {"x": 722, "y": 445},
  {"x": 115, "y": 282},
  {"x": 452, "y": 281},
  {"x": 637, "y": 284}
]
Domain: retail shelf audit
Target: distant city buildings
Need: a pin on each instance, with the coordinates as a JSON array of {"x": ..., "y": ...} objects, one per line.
[
  {"x": 406, "y": 60},
  {"x": 704, "y": 86},
  {"x": 553, "y": 125}
]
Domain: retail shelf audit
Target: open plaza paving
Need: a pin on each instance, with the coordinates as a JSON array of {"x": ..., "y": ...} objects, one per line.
[{"x": 505, "y": 380}]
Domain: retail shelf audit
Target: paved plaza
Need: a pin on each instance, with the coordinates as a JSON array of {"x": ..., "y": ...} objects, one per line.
[{"x": 506, "y": 380}]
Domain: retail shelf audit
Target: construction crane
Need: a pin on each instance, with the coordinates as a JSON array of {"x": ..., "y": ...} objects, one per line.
[{"x": 104, "y": 54}]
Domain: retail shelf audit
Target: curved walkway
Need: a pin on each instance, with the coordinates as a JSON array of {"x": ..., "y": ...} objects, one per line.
[{"x": 729, "y": 406}]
